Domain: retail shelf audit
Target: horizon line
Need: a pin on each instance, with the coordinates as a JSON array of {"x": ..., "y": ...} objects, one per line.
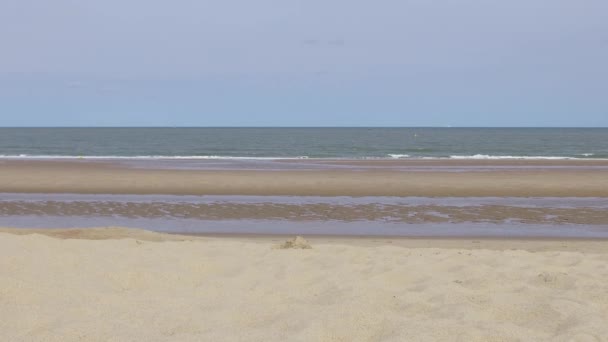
[{"x": 5, "y": 127}]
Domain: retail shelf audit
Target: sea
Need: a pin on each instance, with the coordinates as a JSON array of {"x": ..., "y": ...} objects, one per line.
[{"x": 285, "y": 143}]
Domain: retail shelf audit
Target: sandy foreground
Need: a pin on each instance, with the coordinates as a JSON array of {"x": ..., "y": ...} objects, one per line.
[
  {"x": 527, "y": 179},
  {"x": 119, "y": 284}
]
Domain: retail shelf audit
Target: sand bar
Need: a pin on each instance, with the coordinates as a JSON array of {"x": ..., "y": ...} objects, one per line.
[
  {"x": 106, "y": 177},
  {"x": 134, "y": 285}
]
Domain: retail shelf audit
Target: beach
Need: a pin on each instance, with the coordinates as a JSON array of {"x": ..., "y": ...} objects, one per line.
[
  {"x": 318, "y": 171},
  {"x": 422, "y": 250},
  {"x": 519, "y": 179},
  {"x": 127, "y": 285}
]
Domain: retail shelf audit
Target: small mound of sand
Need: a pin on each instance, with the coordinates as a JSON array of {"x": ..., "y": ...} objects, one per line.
[{"x": 296, "y": 243}]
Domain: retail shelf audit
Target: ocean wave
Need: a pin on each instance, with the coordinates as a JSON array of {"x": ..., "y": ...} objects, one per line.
[
  {"x": 583, "y": 156},
  {"x": 494, "y": 157},
  {"x": 26, "y": 156}
]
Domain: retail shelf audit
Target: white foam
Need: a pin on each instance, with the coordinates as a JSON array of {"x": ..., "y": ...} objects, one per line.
[
  {"x": 213, "y": 157},
  {"x": 485, "y": 156},
  {"x": 25, "y": 156},
  {"x": 399, "y": 156}
]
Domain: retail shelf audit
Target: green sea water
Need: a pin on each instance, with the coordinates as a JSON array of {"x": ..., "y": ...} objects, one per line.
[{"x": 473, "y": 143}]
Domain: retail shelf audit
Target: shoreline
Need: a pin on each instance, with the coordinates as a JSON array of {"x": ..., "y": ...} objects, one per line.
[
  {"x": 454, "y": 160},
  {"x": 89, "y": 177},
  {"x": 477, "y": 157}
]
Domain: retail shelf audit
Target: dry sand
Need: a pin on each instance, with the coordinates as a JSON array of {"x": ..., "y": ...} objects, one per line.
[
  {"x": 129, "y": 285},
  {"x": 96, "y": 177}
]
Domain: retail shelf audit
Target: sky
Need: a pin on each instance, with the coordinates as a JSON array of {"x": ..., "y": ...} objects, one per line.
[{"x": 304, "y": 63}]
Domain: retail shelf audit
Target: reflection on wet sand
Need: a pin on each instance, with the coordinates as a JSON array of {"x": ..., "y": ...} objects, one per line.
[{"x": 311, "y": 212}]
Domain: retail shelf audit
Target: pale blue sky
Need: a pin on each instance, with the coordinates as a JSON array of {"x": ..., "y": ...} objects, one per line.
[{"x": 303, "y": 63}]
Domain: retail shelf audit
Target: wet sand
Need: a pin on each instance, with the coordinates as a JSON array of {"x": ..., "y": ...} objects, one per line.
[
  {"x": 388, "y": 213},
  {"x": 121, "y": 284},
  {"x": 536, "y": 179}
]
